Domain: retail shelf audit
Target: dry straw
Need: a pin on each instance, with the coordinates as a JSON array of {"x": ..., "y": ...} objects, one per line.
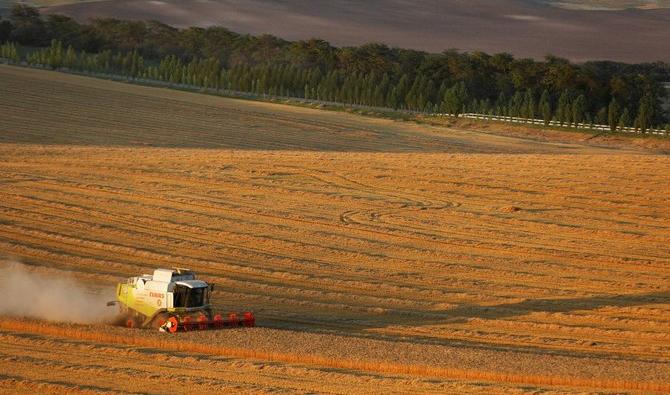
[{"x": 169, "y": 343}]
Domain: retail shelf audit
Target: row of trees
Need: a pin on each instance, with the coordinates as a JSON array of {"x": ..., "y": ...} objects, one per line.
[
  {"x": 373, "y": 74},
  {"x": 339, "y": 86},
  {"x": 10, "y": 52}
]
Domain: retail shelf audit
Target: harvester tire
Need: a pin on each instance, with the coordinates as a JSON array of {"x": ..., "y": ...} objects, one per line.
[
  {"x": 159, "y": 320},
  {"x": 132, "y": 322},
  {"x": 174, "y": 324}
]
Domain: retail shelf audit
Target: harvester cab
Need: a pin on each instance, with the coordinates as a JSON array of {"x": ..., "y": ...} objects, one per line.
[{"x": 172, "y": 300}]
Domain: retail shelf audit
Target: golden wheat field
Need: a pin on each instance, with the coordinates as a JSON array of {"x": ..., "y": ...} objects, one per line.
[{"x": 378, "y": 256}]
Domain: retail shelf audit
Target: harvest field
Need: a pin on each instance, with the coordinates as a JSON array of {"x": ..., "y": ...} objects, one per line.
[{"x": 378, "y": 256}]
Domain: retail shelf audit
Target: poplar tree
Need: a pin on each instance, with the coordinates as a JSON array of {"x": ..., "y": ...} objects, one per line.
[
  {"x": 501, "y": 104},
  {"x": 563, "y": 111},
  {"x": 578, "y": 110},
  {"x": 545, "y": 107},
  {"x": 529, "y": 105},
  {"x": 8, "y": 51},
  {"x": 602, "y": 117},
  {"x": 624, "y": 120},
  {"x": 516, "y": 104},
  {"x": 645, "y": 113},
  {"x": 455, "y": 99},
  {"x": 613, "y": 116}
]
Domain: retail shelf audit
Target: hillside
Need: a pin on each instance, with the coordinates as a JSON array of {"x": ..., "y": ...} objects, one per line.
[
  {"x": 526, "y": 29},
  {"x": 584, "y": 5},
  {"x": 113, "y": 114},
  {"x": 500, "y": 264},
  {"x": 589, "y": 5}
]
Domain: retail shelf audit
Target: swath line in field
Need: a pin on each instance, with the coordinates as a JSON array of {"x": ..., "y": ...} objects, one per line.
[{"x": 368, "y": 366}]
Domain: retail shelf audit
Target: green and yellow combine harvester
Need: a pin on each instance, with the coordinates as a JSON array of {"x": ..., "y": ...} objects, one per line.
[{"x": 172, "y": 300}]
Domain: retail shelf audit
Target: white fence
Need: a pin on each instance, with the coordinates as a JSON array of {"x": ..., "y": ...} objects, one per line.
[{"x": 535, "y": 121}]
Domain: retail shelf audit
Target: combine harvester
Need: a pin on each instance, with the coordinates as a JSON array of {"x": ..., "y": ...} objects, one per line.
[{"x": 172, "y": 300}]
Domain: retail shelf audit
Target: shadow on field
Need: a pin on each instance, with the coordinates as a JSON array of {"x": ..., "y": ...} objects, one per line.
[
  {"x": 361, "y": 325},
  {"x": 465, "y": 312}
]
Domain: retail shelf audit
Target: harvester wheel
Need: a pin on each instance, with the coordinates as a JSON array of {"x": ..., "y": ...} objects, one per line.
[
  {"x": 174, "y": 324},
  {"x": 159, "y": 320},
  {"x": 132, "y": 322}
]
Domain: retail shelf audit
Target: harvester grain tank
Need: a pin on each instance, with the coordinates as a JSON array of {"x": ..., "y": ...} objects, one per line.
[{"x": 172, "y": 300}]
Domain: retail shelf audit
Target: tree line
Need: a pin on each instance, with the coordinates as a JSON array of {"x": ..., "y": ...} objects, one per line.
[{"x": 451, "y": 82}]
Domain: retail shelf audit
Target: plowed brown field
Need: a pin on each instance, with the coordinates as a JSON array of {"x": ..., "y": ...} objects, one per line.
[
  {"x": 580, "y": 30},
  {"x": 379, "y": 257}
]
